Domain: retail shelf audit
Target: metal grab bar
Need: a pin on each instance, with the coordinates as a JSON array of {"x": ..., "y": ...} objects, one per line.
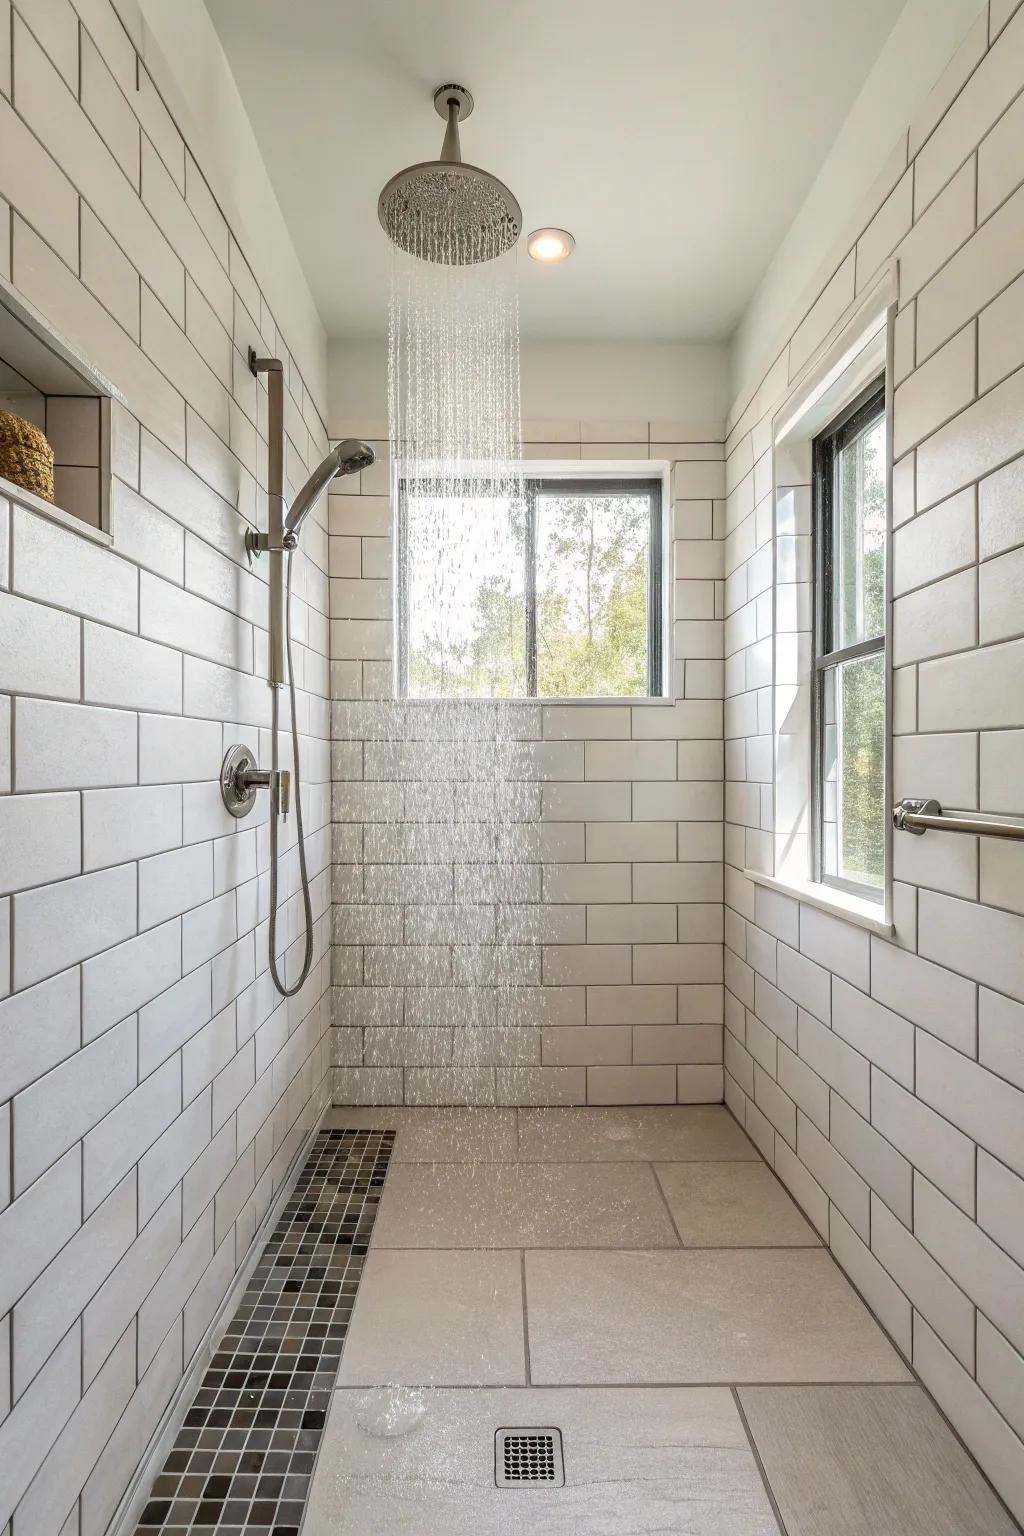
[{"x": 921, "y": 816}]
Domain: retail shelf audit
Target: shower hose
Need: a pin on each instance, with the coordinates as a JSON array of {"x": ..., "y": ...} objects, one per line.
[{"x": 275, "y": 693}]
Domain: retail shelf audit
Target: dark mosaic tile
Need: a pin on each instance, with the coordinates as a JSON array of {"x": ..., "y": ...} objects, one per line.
[{"x": 243, "y": 1460}]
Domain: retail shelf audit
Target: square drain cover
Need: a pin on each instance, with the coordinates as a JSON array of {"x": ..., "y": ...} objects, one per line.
[{"x": 529, "y": 1458}]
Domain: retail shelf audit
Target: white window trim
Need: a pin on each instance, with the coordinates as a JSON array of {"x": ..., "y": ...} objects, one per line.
[
  {"x": 600, "y": 469},
  {"x": 857, "y": 350},
  {"x": 827, "y": 898}
]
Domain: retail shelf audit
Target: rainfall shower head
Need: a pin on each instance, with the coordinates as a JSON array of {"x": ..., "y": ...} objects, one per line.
[
  {"x": 348, "y": 458},
  {"x": 447, "y": 212}
]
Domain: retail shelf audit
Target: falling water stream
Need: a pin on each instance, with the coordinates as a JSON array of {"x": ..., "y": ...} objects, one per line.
[{"x": 452, "y": 879}]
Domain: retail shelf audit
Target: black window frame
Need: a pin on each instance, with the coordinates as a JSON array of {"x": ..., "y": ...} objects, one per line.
[
  {"x": 862, "y": 413},
  {"x": 567, "y": 485}
]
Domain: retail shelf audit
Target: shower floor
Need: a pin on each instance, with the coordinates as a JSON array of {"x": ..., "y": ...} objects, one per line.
[{"x": 639, "y": 1280}]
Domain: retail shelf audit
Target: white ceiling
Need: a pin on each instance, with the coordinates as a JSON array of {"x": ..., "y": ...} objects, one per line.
[{"x": 676, "y": 139}]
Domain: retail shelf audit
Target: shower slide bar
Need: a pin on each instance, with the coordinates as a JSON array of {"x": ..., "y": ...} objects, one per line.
[{"x": 921, "y": 816}]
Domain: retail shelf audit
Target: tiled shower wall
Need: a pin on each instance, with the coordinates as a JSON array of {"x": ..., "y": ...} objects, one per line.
[
  {"x": 620, "y": 831},
  {"x": 153, "y": 1087},
  {"x": 884, "y": 1078}
]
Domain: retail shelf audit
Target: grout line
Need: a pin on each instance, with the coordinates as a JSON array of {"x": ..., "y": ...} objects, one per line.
[
  {"x": 571, "y": 1248},
  {"x": 688, "y": 1385},
  {"x": 760, "y": 1464},
  {"x": 556, "y": 1162},
  {"x": 664, "y": 1200},
  {"x": 526, "y": 1318}
]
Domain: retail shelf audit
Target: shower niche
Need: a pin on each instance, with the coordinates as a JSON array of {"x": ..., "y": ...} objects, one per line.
[{"x": 44, "y": 383}]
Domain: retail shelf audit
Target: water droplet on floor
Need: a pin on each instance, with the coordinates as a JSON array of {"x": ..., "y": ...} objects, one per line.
[{"x": 389, "y": 1412}]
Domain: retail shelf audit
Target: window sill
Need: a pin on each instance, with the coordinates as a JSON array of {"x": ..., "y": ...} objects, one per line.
[
  {"x": 854, "y": 909},
  {"x": 633, "y": 701}
]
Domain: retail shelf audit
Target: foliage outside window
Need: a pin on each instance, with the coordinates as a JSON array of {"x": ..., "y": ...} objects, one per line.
[
  {"x": 556, "y": 595},
  {"x": 849, "y": 671}
]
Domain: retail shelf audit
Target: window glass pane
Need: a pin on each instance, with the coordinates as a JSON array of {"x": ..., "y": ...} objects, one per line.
[
  {"x": 465, "y": 612},
  {"x": 853, "y": 766},
  {"x": 858, "y": 538},
  {"x": 593, "y": 555}
]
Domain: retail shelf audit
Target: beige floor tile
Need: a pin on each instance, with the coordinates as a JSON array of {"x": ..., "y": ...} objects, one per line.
[
  {"x": 635, "y": 1461},
  {"x": 843, "y": 1461},
  {"x": 732, "y": 1205},
  {"x": 491, "y": 1205},
  {"x": 449, "y": 1135},
  {"x": 685, "y": 1133},
  {"x": 710, "y": 1316},
  {"x": 427, "y": 1317}
]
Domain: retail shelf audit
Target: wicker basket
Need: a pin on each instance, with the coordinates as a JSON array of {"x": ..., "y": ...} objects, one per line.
[{"x": 25, "y": 456}]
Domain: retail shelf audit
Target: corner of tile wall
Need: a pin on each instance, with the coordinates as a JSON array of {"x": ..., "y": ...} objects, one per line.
[
  {"x": 881, "y": 1078},
  {"x": 154, "y": 1090}
]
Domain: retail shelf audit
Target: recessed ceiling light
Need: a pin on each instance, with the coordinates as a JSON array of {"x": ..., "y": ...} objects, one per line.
[{"x": 550, "y": 244}]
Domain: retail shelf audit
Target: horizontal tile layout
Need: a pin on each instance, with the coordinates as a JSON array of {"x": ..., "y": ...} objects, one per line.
[
  {"x": 647, "y": 1135},
  {"x": 633, "y": 1460},
  {"x": 729, "y": 1315},
  {"x": 519, "y": 909},
  {"x": 441, "y": 1135},
  {"x": 731, "y": 1205},
  {"x": 447, "y": 1345},
  {"x": 154, "y": 1089},
  {"x": 604, "y": 825},
  {"x": 842, "y": 1459},
  {"x": 493, "y": 1205},
  {"x": 859, "y": 1065},
  {"x": 441, "y": 1318},
  {"x": 244, "y": 1456}
]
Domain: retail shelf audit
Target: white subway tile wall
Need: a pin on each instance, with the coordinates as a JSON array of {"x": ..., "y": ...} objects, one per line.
[
  {"x": 884, "y": 1079},
  {"x": 154, "y": 1088},
  {"x": 615, "y": 886}
]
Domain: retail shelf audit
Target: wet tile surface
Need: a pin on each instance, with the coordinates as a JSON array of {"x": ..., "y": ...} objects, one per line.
[
  {"x": 722, "y": 1315},
  {"x": 453, "y": 1205},
  {"x": 700, "y": 1133},
  {"x": 843, "y": 1461},
  {"x": 243, "y": 1459},
  {"x": 437, "y": 1318},
  {"x": 636, "y": 1461},
  {"x": 636, "y": 1349},
  {"x": 732, "y": 1205},
  {"x": 444, "y": 1135}
]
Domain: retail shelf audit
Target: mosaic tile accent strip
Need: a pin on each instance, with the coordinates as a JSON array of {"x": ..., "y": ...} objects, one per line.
[{"x": 243, "y": 1460}]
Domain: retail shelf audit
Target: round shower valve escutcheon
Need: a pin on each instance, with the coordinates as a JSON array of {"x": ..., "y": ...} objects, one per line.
[{"x": 241, "y": 780}]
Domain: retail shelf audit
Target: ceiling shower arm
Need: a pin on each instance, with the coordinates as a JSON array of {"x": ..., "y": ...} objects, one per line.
[{"x": 451, "y": 149}]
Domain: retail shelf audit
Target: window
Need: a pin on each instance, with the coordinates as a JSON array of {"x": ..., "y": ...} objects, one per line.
[
  {"x": 557, "y": 596},
  {"x": 849, "y": 646}
]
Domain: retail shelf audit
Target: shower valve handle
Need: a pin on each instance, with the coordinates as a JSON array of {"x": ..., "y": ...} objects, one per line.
[{"x": 240, "y": 779}]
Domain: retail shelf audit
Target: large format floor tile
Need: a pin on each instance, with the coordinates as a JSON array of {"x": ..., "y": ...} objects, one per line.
[
  {"x": 426, "y": 1317},
  {"x": 481, "y": 1205},
  {"x": 845, "y": 1461},
  {"x": 732, "y": 1205},
  {"x": 635, "y": 1461},
  {"x": 447, "y": 1135},
  {"x": 725, "y": 1315},
  {"x": 668, "y": 1134}
]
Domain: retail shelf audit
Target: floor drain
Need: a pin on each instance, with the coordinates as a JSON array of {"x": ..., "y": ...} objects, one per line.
[{"x": 529, "y": 1458}]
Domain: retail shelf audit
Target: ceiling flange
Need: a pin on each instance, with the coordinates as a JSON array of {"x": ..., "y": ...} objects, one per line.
[{"x": 446, "y": 93}]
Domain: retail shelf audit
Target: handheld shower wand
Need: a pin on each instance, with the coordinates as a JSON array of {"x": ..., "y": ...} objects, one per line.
[{"x": 240, "y": 777}]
